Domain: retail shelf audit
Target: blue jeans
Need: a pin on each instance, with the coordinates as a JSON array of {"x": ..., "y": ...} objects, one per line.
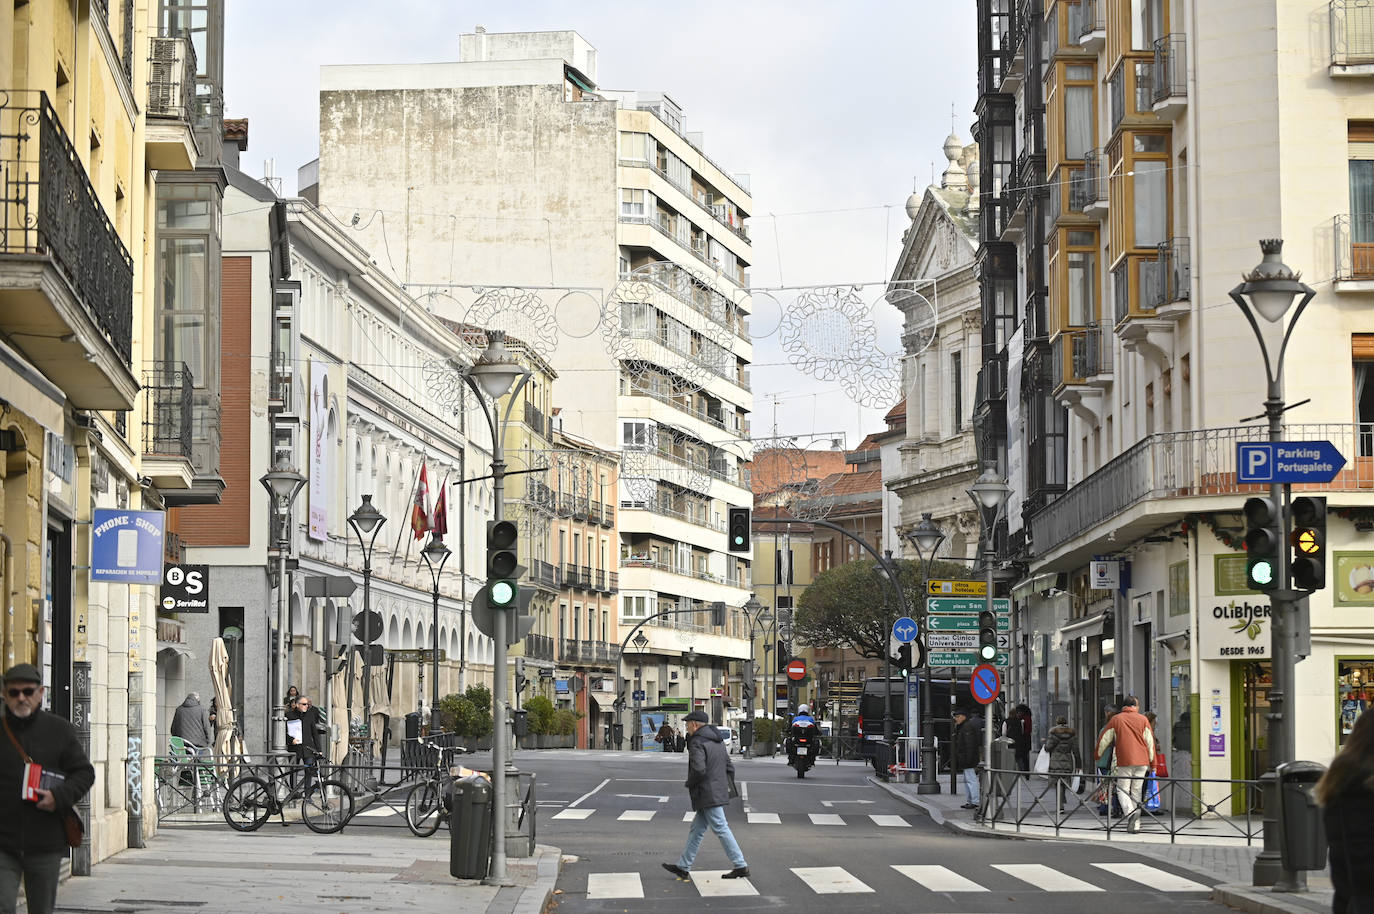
[
  {"x": 39, "y": 872},
  {"x": 713, "y": 816},
  {"x": 971, "y": 785}
]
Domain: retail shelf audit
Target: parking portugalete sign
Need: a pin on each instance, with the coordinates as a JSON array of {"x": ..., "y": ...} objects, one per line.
[{"x": 1287, "y": 461}]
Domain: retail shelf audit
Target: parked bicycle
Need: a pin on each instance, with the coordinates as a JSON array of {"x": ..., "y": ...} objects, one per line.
[
  {"x": 430, "y": 801},
  {"x": 326, "y": 804}
]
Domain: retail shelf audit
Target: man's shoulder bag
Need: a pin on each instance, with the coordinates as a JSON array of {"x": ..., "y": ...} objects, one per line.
[{"x": 72, "y": 826}]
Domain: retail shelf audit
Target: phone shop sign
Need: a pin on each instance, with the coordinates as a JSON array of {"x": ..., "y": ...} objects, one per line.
[{"x": 126, "y": 546}]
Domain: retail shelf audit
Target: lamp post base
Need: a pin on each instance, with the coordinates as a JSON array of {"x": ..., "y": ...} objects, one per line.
[{"x": 929, "y": 760}]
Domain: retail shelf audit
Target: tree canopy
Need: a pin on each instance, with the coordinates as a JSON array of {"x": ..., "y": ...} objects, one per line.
[{"x": 845, "y": 606}]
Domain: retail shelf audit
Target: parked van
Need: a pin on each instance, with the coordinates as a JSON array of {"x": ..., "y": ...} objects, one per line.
[{"x": 869, "y": 726}]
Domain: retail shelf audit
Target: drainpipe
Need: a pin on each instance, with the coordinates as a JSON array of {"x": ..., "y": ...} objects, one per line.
[
  {"x": 1194, "y": 249},
  {"x": 7, "y": 596}
]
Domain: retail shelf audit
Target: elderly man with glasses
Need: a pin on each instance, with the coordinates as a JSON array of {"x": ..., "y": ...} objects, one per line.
[{"x": 43, "y": 773}]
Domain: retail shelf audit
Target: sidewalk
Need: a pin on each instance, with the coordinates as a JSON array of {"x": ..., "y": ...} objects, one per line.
[
  {"x": 219, "y": 871},
  {"x": 1213, "y": 856}
]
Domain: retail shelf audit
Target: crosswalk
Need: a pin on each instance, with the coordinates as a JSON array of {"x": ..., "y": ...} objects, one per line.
[
  {"x": 823, "y": 819},
  {"x": 838, "y": 880}
]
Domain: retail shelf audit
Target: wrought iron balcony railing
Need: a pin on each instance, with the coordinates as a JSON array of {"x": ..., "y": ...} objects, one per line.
[
  {"x": 1170, "y": 69},
  {"x": 48, "y": 207},
  {"x": 1090, "y": 17},
  {"x": 1352, "y": 32},
  {"x": 172, "y": 77},
  {"x": 168, "y": 413},
  {"x": 1354, "y": 237}
]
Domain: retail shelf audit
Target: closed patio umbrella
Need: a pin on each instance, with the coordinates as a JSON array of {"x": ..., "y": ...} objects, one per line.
[{"x": 228, "y": 743}]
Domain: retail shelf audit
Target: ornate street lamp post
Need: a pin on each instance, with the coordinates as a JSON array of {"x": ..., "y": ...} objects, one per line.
[
  {"x": 435, "y": 555},
  {"x": 283, "y": 483},
  {"x": 367, "y": 522},
  {"x": 926, "y": 538},
  {"x": 989, "y": 494}
]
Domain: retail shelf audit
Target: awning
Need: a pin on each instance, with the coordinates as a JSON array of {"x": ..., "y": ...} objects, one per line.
[
  {"x": 1088, "y": 626},
  {"x": 1038, "y": 584},
  {"x": 603, "y": 698},
  {"x": 176, "y": 648}
]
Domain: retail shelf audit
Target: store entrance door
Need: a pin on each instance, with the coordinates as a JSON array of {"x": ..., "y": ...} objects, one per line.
[{"x": 1250, "y": 682}]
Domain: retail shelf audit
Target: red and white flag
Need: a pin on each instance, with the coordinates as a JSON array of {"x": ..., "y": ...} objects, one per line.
[
  {"x": 439, "y": 523},
  {"x": 419, "y": 513}
]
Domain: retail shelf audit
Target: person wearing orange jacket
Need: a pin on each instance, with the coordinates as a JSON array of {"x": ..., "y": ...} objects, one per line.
[{"x": 1134, "y": 741}]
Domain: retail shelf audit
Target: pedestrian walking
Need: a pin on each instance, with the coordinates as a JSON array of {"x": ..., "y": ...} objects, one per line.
[
  {"x": 710, "y": 782},
  {"x": 680, "y": 741},
  {"x": 1018, "y": 729},
  {"x": 191, "y": 723},
  {"x": 967, "y": 749},
  {"x": 665, "y": 737},
  {"x": 1346, "y": 793},
  {"x": 1129, "y": 735},
  {"x": 33, "y": 831},
  {"x": 1062, "y": 746}
]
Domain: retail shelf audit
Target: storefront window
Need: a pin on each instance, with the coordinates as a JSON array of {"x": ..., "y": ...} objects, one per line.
[{"x": 1354, "y": 691}]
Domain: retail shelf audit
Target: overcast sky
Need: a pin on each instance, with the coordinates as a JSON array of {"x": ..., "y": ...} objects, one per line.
[{"x": 832, "y": 110}]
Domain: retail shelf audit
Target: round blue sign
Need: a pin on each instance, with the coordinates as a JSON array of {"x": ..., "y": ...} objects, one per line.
[
  {"x": 905, "y": 629},
  {"x": 985, "y": 684}
]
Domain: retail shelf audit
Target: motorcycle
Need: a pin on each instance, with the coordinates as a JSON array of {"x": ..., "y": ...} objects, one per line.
[{"x": 803, "y": 747}]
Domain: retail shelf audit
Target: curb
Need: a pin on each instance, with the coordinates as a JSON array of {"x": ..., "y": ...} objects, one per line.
[
  {"x": 1247, "y": 898},
  {"x": 937, "y": 815},
  {"x": 537, "y": 897}
]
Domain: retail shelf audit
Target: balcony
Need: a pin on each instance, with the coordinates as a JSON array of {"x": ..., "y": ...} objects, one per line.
[
  {"x": 662, "y": 510},
  {"x": 170, "y": 133},
  {"x": 1170, "y": 90},
  {"x": 537, "y": 421},
  {"x": 1352, "y": 38},
  {"x": 585, "y": 653},
  {"x": 1172, "y": 276},
  {"x": 572, "y": 577},
  {"x": 1187, "y": 464},
  {"x": 66, "y": 280},
  {"x": 543, "y": 574},
  {"x": 1092, "y": 188},
  {"x": 1081, "y": 358},
  {"x": 539, "y": 647},
  {"x": 167, "y": 425},
  {"x": 1354, "y": 242},
  {"x": 279, "y": 383},
  {"x": 1091, "y": 24}
]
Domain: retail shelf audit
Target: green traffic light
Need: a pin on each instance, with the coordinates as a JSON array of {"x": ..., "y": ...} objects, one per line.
[
  {"x": 988, "y": 651},
  {"x": 1262, "y": 573},
  {"x": 502, "y": 593}
]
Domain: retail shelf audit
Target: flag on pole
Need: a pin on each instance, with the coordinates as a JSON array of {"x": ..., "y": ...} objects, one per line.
[
  {"x": 419, "y": 513},
  {"x": 439, "y": 524}
]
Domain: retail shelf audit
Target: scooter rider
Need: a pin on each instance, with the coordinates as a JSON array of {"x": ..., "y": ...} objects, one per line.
[{"x": 804, "y": 726}]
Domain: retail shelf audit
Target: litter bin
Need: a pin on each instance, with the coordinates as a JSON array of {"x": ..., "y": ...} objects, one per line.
[
  {"x": 470, "y": 828},
  {"x": 413, "y": 725},
  {"x": 1003, "y": 759},
  {"x": 1302, "y": 839},
  {"x": 617, "y": 734}
]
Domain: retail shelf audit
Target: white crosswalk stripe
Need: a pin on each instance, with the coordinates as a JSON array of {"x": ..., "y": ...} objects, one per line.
[
  {"x": 688, "y": 816},
  {"x": 614, "y": 885},
  {"x": 825, "y": 818},
  {"x": 829, "y": 880},
  {"x": 1046, "y": 878},
  {"x": 636, "y": 815},
  {"x": 938, "y": 878},
  {"x": 1153, "y": 877},
  {"x": 712, "y": 884},
  {"x": 764, "y": 818},
  {"x": 576, "y": 814},
  {"x": 890, "y": 821},
  {"x": 377, "y": 812}
]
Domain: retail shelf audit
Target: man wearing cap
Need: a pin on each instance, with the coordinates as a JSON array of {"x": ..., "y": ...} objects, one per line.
[
  {"x": 709, "y": 775},
  {"x": 967, "y": 751},
  {"x": 32, "y": 838}
]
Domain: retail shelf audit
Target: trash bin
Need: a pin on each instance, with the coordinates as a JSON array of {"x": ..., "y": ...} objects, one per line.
[
  {"x": 617, "y": 734},
  {"x": 1302, "y": 839},
  {"x": 520, "y": 721},
  {"x": 746, "y": 734},
  {"x": 470, "y": 828},
  {"x": 413, "y": 725},
  {"x": 1004, "y": 760}
]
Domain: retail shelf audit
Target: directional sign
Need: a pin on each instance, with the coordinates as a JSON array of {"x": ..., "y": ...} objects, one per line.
[
  {"x": 965, "y": 623},
  {"x": 796, "y": 669},
  {"x": 957, "y": 588},
  {"x": 639, "y": 695},
  {"x": 418, "y": 655},
  {"x": 329, "y": 585},
  {"x": 904, "y": 629},
  {"x": 965, "y": 605},
  {"x": 964, "y": 658},
  {"x": 984, "y": 684},
  {"x": 1287, "y": 461},
  {"x": 962, "y": 641}
]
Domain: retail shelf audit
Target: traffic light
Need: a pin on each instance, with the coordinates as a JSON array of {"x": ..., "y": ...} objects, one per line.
[
  {"x": 1309, "y": 543},
  {"x": 367, "y": 628},
  {"x": 1263, "y": 543},
  {"x": 503, "y": 589},
  {"x": 987, "y": 636},
  {"x": 904, "y": 661},
  {"x": 520, "y": 680},
  {"x": 738, "y": 529}
]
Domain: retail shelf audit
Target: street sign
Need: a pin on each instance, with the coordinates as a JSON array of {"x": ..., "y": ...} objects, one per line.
[
  {"x": 418, "y": 655},
  {"x": 639, "y": 695},
  {"x": 939, "y": 623},
  {"x": 965, "y": 605},
  {"x": 1287, "y": 461},
  {"x": 796, "y": 669},
  {"x": 962, "y": 641},
  {"x": 904, "y": 629},
  {"x": 964, "y": 658},
  {"x": 984, "y": 684},
  {"x": 957, "y": 588},
  {"x": 329, "y": 585}
]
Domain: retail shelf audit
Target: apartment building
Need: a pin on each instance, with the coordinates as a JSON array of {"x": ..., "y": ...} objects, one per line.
[
  {"x": 1113, "y": 263},
  {"x": 588, "y": 223}
]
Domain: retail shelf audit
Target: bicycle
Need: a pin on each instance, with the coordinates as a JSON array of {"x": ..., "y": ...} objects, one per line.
[
  {"x": 430, "y": 801},
  {"x": 326, "y": 804}
]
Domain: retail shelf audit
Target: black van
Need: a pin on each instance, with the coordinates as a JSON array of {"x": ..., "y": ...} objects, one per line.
[{"x": 870, "y": 722}]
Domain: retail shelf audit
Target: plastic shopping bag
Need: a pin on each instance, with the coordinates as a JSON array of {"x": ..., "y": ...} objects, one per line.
[
  {"x": 1152, "y": 793},
  {"x": 1076, "y": 785},
  {"x": 1042, "y": 762}
]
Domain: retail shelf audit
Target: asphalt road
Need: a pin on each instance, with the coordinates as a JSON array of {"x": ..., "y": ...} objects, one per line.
[{"x": 832, "y": 837}]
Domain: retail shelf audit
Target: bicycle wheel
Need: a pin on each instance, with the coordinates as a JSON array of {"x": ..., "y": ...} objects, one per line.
[
  {"x": 423, "y": 808},
  {"x": 247, "y": 804},
  {"x": 327, "y": 807}
]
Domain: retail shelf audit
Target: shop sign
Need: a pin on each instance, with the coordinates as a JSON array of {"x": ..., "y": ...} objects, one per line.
[
  {"x": 1104, "y": 575},
  {"x": 1235, "y": 629},
  {"x": 1216, "y": 740},
  {"x": 126, "y": 546}
]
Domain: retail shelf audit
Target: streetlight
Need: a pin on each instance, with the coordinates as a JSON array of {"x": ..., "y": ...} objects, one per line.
[
  {"x": 989, "y": 493},
  {"x": 1270, "y": 289},
  {"x": 367, "y": 522},
  {"x": 927, "y": 538},
  {"x": 637, "y": 738},
  {"x": 435, "y": 555},
  {"x": 759, "y": 615},
  {"x": 283, "y": 483},
  {"x": 493, "y": 375}
]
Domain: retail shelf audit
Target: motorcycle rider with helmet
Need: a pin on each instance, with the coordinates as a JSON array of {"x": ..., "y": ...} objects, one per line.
[{"x": 804, "y": 735}]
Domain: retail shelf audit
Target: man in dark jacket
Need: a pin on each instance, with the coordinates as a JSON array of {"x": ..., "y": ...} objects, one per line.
[
  {"x": 968, "y": 747},
  {"x": 32, "y": 838},
  {"x": 191, "y": 723},
  {"x": 709, "y": 776},
  {"x": 306, "y": 739}
]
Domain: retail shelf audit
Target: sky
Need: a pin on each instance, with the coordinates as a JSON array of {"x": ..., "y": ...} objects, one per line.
[{"x": 836, "y": 113}]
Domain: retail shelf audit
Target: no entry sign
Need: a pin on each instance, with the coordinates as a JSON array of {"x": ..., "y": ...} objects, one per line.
[
  {"x": 985, "y": 683},
  {"x": 796, "y": 670}
]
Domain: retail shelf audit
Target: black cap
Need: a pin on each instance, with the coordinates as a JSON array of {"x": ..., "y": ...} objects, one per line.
[
  {"x": 698, "y": 716},
  {"x": 23, "y": 672},
  {"x": 959, "y": 712}
]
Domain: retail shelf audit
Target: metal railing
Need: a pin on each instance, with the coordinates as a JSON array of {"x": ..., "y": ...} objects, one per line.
[
  {"x": 539, "y": 647},
  {"x": 572, "y": 577},
  {"x": 1092, "y": 352},
  {"x": 1352, "y": 32},
  {"x": 48, "y": 207},
  {"x": 654, "y": 507},
  {"x": 1093, "y": 187},
  {"x": 167, "y": 412},
  {"x": 1354, "y": 243},
  {"x": 1170, "y": 69},
  {"x": 172, "y": 77},
  {"x": 1087, "y": 17}
]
